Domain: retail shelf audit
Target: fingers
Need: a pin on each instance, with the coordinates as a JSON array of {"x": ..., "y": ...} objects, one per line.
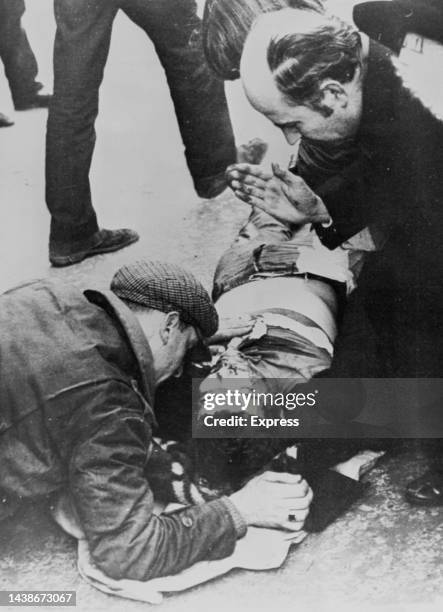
[
  {"x": 282, "y": 477},
  {"x": 289, "y": 487},
  {"x": 282, "y": 174},
  {"x": 297, "y": 516},
  {"x": 227, "y": 334},
  {"x": 252, "y": 169},
  {"x": 241, "y": 196},
  {"x": 253, "y": 181},
  {"x": 292, "y": 525},
  {"x": 251, "y": 200},
  {"x": 241, "y": 319},
  {"x": 247, "y": 179},
  {"x": 295, "y": 536},
  {"x": 247, "y": 190}
]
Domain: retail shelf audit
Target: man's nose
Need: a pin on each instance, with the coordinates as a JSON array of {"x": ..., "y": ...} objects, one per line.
[{"x": 292, "y": 135}]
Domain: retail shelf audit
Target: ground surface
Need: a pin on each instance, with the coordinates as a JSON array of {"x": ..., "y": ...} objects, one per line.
[{"x": 382, "y": 553}]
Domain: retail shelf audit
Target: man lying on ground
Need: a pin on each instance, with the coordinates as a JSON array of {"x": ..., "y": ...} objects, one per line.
[{"x": 293, "y": 289}]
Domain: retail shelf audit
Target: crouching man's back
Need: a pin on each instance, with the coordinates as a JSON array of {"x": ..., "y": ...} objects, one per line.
[{"x": 78, "y": 372}]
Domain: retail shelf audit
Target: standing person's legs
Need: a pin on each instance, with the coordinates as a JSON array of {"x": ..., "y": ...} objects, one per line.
[
  {"x": 16, "y": 54},
  {"x": 82, "y": 42},
  {"x": 199, "y": 98}
]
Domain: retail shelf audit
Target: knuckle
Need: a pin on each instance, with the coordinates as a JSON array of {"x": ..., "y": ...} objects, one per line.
[{"x": 304, "y": 487}]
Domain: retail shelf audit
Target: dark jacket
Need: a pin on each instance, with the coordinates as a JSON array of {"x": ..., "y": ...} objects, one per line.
[
  {"x": 76, "y": 384},
  {"x": 388, "y": 22},
  {"x": 396, "y": 182}
]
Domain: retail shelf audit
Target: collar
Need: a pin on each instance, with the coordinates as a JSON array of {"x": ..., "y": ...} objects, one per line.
[
  {"x": 380, "y": 84},
  {"x": 137, "y": 340}
]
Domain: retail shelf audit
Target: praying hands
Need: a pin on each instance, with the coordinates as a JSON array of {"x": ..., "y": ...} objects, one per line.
[{"x": 279, "y": 193}]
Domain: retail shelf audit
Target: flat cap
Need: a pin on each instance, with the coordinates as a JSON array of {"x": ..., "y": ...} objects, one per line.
[{"x": 167, "y": 287}]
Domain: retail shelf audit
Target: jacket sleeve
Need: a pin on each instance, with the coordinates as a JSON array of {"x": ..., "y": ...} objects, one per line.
[
  {"x": 366, "y": 192},
  {"x": 115, "y": 503},
  {"x": 380, "y": 187}
]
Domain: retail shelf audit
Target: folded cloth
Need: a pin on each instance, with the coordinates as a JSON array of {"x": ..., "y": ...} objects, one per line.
[{"x": 260, "y": 549}]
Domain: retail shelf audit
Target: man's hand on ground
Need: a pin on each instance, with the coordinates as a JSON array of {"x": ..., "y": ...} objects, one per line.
[{"x": 276, "y": 500}]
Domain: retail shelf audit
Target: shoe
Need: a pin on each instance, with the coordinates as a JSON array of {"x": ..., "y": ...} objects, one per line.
[
  {"x": 427, "y": 490},
  {"x": 252, "y": 152},
  {"x": 105, "y": 241},
  {"x": 5, "y": 121},
  {"x": 35, "y": 101}
]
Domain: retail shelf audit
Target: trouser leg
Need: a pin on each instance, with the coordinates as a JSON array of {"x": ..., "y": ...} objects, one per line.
[
  {"x": 82, "y": 42},
  {"x": 198, "y": 97},
  {"x": 16, "y": 53}
]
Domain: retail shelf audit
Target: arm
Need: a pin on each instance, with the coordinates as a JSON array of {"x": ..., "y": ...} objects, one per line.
[
  {"x": 115, "y": 503},
  {"x": 362, "y": 194},
  {"x": 354, "y": 188}
]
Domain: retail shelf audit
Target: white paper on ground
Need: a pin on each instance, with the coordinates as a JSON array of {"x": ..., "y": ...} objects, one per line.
[{"x": 260, "y": 549}]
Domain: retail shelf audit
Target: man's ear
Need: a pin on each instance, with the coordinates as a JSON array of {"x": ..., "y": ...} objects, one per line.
[
  {"x": 334, "y": 94},
  {"x": 171, "y": 322}
]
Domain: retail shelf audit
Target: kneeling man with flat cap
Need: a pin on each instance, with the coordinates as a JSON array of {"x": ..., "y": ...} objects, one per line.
[{"x": 78, "y": 372}]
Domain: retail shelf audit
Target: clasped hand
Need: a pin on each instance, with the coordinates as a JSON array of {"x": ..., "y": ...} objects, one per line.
[
  {"x": 275, "y": 500},
  {"x": 279, "y": 193}
]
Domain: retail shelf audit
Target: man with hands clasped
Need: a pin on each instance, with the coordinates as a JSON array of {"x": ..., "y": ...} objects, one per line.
[
  {"x": 323, "y": 82},
  {"x": 280, "y": 193}
]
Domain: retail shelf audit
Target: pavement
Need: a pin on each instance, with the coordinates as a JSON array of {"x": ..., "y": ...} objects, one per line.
[{"x": 382, "y": 554}]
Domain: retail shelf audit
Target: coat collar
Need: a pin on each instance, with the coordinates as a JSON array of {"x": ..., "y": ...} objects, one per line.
[
  {"x": 379, "y": 92},
  {"x": 137, "y": 340}
]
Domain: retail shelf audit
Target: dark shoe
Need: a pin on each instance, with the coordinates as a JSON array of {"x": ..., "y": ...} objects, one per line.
[
  {"x": 427, "y": 490},
  {"x": 251, "y": 153},
  {"x": 5, "y": 121},
  {"x": 104, "y": 241},
  {"x": 36, "y": 101}
]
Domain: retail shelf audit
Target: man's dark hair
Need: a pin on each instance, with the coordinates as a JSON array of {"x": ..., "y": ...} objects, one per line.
[
  {"x": 227, "y": 23},
  {"x": 301, "y": 62}
]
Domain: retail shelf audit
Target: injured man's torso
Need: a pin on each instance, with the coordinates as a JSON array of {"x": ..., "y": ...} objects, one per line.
[
  {"x": 293, "y": 287},
  {"x": 276, "y": 299}
]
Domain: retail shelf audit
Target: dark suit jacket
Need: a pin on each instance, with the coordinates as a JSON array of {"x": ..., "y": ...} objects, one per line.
[{"x": 395, "y": 180}]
